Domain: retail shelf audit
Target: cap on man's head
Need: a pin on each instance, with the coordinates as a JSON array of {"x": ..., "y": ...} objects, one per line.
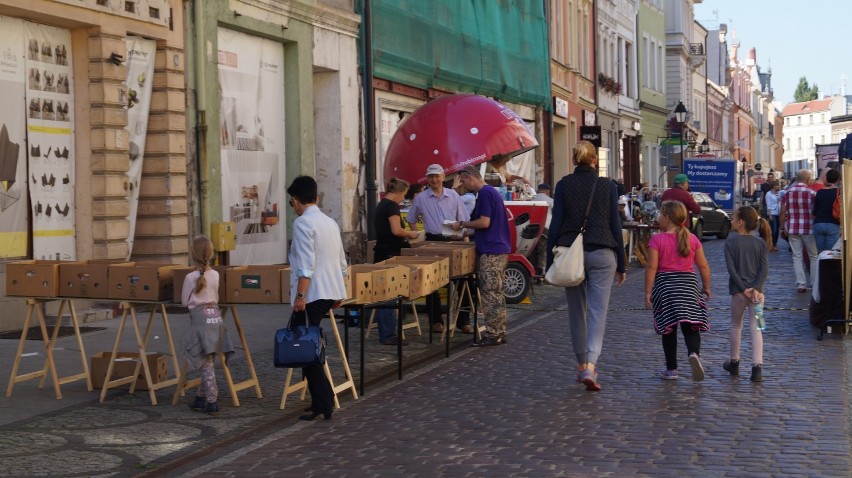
[
  {"x": 681, "y": 178},
  {"x": 434, "y": 169},
  {"x": 543, "y": 187}
]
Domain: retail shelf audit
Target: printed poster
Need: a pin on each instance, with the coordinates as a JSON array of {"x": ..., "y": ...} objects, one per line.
[
  {"x": 13, "y": 146},
  {"x": 716, "y": 177},
  {"x": 251, "y": 132},
  {"x": 140, "y": 76},
  {"x": 50, "y": 127}
]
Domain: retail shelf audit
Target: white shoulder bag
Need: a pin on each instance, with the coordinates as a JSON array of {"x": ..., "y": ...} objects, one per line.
[{"x": 569, "y": 268}]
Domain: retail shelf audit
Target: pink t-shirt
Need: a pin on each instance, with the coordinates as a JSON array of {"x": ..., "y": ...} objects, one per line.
[
  {"x": 665, "y": 243},
  {"x": 208, "y": 295}
]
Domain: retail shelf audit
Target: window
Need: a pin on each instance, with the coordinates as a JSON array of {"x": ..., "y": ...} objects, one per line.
[
  {"x": 799, "y": 142},
  {"x": 810, "y": 141},
  {"x": 822, "y": 139},
  {"x": 788, "y": 144},
  {"x": 628, "y": 70},
  {"x": 647, "y": 63},
  {"x": 798, "y": 121}
]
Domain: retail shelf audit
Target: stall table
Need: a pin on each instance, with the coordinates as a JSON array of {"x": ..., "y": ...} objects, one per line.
[
  {"x": 49, "y": 367},
  {"x": 131, "y": 307}
]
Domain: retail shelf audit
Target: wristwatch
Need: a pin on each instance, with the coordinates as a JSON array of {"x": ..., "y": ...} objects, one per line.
[{"x": 300, "y": 295}]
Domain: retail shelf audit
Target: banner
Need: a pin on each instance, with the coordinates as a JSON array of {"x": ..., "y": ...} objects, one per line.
[
  {"x": 50, "y": 127},
  {"x": 251, "y": 131},
  {"x": 13, "y": 146},
  {"x": 140, "y": 78},
  {"x": 715, "y": 177}
]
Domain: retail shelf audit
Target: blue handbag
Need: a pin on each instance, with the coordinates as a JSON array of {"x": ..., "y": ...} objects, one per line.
[{"x": 299, "y": 346}]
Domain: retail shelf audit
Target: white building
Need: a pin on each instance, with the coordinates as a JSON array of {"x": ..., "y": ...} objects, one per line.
[{"x": 806, "y": 125}]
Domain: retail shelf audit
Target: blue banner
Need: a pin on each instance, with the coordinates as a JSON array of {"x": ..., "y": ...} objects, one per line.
[{"x": 715, "y": 177}]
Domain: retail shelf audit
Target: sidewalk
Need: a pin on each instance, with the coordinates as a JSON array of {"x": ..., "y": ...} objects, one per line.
[{"x": 501, "y": 411}]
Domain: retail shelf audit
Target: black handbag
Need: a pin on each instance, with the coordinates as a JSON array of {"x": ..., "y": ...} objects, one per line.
[{"x": 299, "y": 346}]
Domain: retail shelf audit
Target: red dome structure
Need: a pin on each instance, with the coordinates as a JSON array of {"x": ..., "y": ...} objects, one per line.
[{"x": 455, "y": 131}]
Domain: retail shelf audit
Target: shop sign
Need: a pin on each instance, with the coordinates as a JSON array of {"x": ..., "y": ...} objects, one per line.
[{"x": 560, "y": 107}]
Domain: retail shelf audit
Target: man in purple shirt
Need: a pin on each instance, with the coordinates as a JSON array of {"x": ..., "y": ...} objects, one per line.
[{"x": 493, "y": 246}]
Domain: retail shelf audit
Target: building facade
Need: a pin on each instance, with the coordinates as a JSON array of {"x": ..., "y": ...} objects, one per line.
[
  {"x": 806, "y": 125},
  {"x": 572, "y": 63},
  {"x": 651, "y": 36},
  {"x": 96, "y": 109}
]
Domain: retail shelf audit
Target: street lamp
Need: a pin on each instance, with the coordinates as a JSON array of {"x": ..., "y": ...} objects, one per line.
[
  {"x": 704, "y": 147},
  {"x": 680, "y": 117}
]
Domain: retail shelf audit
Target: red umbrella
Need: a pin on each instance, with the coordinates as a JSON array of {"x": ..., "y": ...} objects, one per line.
[{"x": 455, "y": 131}]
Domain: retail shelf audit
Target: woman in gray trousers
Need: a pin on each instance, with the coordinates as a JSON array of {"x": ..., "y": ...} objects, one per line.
[{"x": 603, "y": 259}]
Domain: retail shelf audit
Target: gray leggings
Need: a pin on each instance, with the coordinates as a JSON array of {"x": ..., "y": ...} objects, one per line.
[{"x": 740, "y": 304}]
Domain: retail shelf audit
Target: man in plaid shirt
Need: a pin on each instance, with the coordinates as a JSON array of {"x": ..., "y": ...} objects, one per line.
[{"x": 796, "y": 220}]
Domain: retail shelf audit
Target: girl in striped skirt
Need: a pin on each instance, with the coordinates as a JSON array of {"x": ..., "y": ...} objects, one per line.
[{"x": 671, "y": 288}]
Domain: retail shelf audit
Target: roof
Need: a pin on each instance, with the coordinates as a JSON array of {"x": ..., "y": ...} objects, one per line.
[{"x": 792, "y": 109}]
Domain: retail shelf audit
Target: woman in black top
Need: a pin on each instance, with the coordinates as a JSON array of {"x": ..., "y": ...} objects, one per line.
[
  {"x": 390, "y": 239},
  {"x": 603, "y": 257},
  {"x": 826, "y": 227}
]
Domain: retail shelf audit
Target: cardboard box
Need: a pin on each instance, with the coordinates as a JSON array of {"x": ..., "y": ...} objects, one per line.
[
  {"x": 180, "y": 274},
  {"x": 89, "y": 279},
  {"x": 466, "y": 261},
  {"x": 224, "y": 236},
  {"x": 254, "y": 284},
  {"x": 285, "y": 285},
  {"x": 359, "y": 286},
  {"x": 125, "y": 365},
  {"x": 35, "y": 278},
  {"x": 389, "y": 280},
  {"x": 142, "y": 281},
  {"x": 425, "y": 274}
]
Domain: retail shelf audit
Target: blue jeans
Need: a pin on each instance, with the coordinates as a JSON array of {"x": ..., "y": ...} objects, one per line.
[
  {"x": 826, "y": 234},
  {"x": 775, "y": 225},
  {"x": 386, "y": 323},
  {"x": 588, "y": 303}
]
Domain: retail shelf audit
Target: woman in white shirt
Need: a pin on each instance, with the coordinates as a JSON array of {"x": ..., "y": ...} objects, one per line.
[
  {"x": 773, "y": 208},
  {"x": 317, "y": 267}
]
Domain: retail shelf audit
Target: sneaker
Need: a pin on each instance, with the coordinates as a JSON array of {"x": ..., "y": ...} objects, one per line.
[
  {"x": 669, "y": 375},
  {"x": 590, "y": 380},
  {"x": 212, "y": 408},
  {"x": 732, "y": 366},
  {"x": 756, "y": 373},
  {"x": 438, "y": 328},
  {"x": 580, "y": 376},
  {"x": 490, "y": 341},
  {"x": 198, "y": 404},
  {"x": 697, "y": 368},
  {"x": 393, "y": 341}
]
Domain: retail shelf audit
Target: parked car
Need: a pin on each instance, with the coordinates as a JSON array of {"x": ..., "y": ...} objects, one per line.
[{"x": 713, "y": 220}]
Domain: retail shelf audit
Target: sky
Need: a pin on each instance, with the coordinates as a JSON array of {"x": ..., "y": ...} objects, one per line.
[{"x": 796, "y": 38}]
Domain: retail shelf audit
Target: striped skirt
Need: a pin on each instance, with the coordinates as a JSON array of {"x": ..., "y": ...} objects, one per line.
[{"x": 676, "y": 298}]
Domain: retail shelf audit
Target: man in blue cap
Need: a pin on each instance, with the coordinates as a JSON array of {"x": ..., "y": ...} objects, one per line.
[{"x": 680, "y": 192}]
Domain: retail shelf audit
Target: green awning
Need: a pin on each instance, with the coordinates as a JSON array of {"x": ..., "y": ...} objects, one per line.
[{"x": 673, "y": 142}]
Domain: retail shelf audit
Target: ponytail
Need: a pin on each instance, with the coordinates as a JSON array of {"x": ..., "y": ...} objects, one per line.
[
  {"x": 683, "y": 247},
  {"x": 765, "y": 232},
  {"x": 202, "y": 254}
]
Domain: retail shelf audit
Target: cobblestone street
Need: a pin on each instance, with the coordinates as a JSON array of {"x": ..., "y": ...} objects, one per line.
[{"x": 512, "y": 410}]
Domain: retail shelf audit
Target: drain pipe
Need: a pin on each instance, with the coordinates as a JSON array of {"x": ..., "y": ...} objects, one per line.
[{"x": 369, "y": 118}]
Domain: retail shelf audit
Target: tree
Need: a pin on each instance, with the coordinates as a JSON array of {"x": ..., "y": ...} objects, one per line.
[{"x": 804, "y": 92}]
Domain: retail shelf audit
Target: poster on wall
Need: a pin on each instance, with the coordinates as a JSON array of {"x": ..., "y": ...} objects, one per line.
[
  {"x": 50, "y": 128},
  {"x": 251, "y": 133},
  {"x": 13, "y": 147},
  {"x": 140, "y": 77}
]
